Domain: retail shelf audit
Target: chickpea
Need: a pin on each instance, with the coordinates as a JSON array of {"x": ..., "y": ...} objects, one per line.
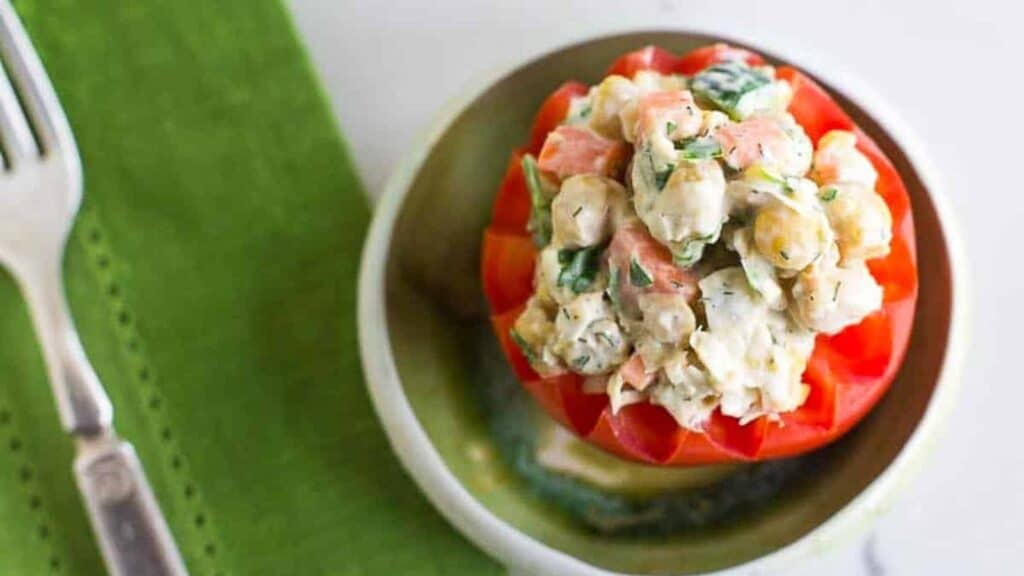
[
  {"x": 827, "y": 298},
  {"x": 581, "y": 213},
  {"x": 588, "y": 338},
  {"x": 667, "y": 317},
  {"x": 690, "y": 207},
  {"x": 860, "y": 218},
  {"x": 788, "y": 238},
  {"x": 609, "y": 98},
  {"x": 534, "y": 332},
  {"x": 838, "y": 160},
  {"x": 545, "y": 279}
]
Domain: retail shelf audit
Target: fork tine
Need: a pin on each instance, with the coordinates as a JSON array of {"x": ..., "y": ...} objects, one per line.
[
  {"x": 15, "y": 134},
  {"x": 33, "y": 85}
]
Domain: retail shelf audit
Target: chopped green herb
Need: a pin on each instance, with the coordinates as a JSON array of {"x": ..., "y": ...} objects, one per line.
[
  {"x": 699, "y": 148},
  {"x": 585, "y": 112},
  {"x": 728, "y": 292},
  {"x": 581, "y": 361},
  {"x": 670, "y": 127},
  {"x": 565, "y": 312},
  {"x": 613, "y": 285},
  {"x": 835, "y": 294},
  {"x": 828, "y": 194},
  {"x": 579, "y": 267},
  {"x": 519, "y": 341},
  {"x": 540, "y": 203},
  {"x": 637, "y": 275},
  {"x": 577, "y": 211},
  {"x": 661, "y": 176},
  {"x": 723, "y": 85},
  {"x": 604, "y": 336},
  {"x": 783, "y": 254}
]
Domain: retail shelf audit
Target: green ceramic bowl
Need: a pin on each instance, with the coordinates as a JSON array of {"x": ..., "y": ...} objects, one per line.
[{"x": 424, "y": 340}]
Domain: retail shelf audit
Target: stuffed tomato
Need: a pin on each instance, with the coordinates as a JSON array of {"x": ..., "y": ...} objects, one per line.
[{"x": 701, "y": 259}]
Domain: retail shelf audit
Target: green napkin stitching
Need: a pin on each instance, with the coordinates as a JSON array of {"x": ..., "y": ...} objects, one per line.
[
  {"x": 19, "y": 454},
  {"x": 202, "y": 536}
]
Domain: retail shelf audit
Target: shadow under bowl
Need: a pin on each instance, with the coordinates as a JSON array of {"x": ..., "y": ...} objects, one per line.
[{"x": 426, "y": 343}]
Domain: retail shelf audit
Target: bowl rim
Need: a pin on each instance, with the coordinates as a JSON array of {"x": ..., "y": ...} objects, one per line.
[{"x": 521, "y": 553}]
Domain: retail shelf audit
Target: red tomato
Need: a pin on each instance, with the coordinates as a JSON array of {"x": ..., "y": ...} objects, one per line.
[
  {"x": 699, "y": 59},
  {"x": 633, "y": 244},
  {"x": 512, "y": 205},
  {"x": 507, "y": 263},
  {"x": 569, "y": 150},
  {"x": 646, "y": 58},
  {"x": 675, "y": 106},
  {"x": 847, "y": 373},
  {"x": 553, "y": 112},
  {"x": 812, "y": 107},
  {"x": 503, "y": 324}
]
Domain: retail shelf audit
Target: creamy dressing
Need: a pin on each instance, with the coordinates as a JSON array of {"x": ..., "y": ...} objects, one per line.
[{"x": 742, "y": 241}]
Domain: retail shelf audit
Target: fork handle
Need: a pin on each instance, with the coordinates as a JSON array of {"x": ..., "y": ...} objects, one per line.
[
  {"x": 132, "y": 533},
  {"x": 82, "y": 403}
]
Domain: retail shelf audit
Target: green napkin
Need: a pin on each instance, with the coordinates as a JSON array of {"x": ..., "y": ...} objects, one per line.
[{"x": 212, "y": 274}]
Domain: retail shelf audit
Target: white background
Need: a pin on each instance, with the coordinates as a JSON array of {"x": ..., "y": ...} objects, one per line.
[{"x": 951, "y": 68}]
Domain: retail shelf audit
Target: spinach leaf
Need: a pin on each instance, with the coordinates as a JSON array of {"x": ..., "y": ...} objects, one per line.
[
  {"x": 637, "y": 275},
  {"x": 579, "y": 267},
  {"x": 725, "y": 83},
  {"x": 613, "y": 285},
  {"x": 540, "y": 203},
  {"x": 699, "y": 148},
  {"x": 649, "y": 171}
]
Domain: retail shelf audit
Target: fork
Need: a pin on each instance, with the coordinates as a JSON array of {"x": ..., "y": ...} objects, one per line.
[{"x": 40, "y": 192}]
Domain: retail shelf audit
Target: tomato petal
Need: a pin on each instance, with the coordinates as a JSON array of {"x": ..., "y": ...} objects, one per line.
[
  {"x": 512, "y": 205},
  {"x": 819, "y": 409},
  {"x": 896, "y": 272},
  {"x": 812, "y": 107},
  {"x": 646, "y": 58},
  {"x": 553, "y": 112},
  {"x": 647, "y": 432},
  {"x": 890, "y": 186},
  {"x": 582, "y": 410},
  {"x": 547, "y": 393},
  {"x": 742, "y": 439},
  {"x": 866, "y": 347},
  {"x": 696, "y": 60},
  {"x": 508, "y": 261},
  {"x": 503, "y": 324}
]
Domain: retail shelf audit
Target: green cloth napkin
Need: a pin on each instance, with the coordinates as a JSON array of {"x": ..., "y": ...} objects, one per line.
[{"x": 212, "y": 274}]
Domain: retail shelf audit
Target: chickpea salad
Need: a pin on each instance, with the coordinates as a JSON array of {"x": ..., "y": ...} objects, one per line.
[{"x": 693, "y": 243}]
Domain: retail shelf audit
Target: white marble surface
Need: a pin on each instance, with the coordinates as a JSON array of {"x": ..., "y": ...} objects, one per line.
[{"x": 950, "y": 67}]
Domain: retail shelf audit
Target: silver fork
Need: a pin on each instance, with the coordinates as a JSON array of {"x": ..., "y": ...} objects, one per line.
[{"x": 40, "y": 192}]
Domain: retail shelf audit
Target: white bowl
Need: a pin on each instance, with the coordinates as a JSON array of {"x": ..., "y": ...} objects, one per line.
[{"x": 411, "y": 316}]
